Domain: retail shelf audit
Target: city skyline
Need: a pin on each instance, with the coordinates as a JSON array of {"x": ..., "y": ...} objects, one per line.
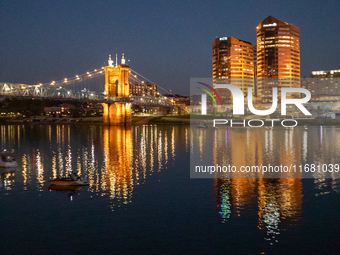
[{"x": 169, "y": 43}]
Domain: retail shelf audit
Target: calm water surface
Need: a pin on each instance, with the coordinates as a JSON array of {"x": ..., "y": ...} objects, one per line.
[{"x": 141, "y": 199}]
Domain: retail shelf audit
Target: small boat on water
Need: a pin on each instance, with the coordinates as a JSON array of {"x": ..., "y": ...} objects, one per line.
[
  {"x": 7, "y": 160},
  {"x": 202, "y": 125},
  {"x": 72, "y": 180}
]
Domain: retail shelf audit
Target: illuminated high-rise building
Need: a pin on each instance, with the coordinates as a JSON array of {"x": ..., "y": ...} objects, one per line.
[
  {"x": 278, "y": 57},
  {"x": 233, "y": 63}
]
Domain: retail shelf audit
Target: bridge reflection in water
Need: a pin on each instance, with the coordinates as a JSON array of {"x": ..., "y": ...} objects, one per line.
[
  {"x": 114, "y": 159},
  {"x": 117, "y": 173}
]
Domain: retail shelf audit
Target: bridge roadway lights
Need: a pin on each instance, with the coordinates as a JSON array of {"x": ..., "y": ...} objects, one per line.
[{"x": 117, "y": 114}]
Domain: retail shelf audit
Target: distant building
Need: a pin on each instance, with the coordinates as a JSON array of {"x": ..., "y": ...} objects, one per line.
[
  {"x": 305, "y": 83},
  {"x": 233, "y": 63},
  {"x": 196, "y": 100},
  {"x": 324, "y": 85},
  {"x": 143, "y": 89},
  {"x": 64, "y": 108},
  {"x": 183, "y": 103},
  {"x": 278, "y": 57},
  {"x": 53, "y": 110},
  {"x": 93, "y": 108}
]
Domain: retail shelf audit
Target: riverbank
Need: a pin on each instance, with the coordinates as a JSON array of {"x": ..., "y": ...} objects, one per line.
[
  {"x": 161, "y": 120},
  {"x": 136, "y": 120}
]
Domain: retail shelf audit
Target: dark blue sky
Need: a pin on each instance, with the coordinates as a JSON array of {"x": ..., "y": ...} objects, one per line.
[{"x": 169, "y": 42}]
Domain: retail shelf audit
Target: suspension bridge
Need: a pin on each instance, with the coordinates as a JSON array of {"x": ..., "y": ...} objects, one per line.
[{"x": 116, "y": 97}]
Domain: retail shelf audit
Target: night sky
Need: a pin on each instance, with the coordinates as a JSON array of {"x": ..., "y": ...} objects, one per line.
[{"x": 168, "y": 42}]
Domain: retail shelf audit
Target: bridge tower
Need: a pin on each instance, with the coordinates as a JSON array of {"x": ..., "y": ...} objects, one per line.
[{"x": 117, "y": 84}]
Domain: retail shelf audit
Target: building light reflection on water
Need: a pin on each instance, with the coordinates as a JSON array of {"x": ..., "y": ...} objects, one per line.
[
  {"x": 61, "y": 162},
  {"x": 159, "y": 151},
  {"x": 304, "y": 145},
  {"x": 79, "y": 163},
  {"x": 3, "y": 136},
  {"x": 40, "y": 170},
  {"x": 24, "y": 169},
  {"x": 116, "y": 160},
  {"x": 54, "y": 165},
  {"x": 279, "y": 201},
  {"x": 144, "y": 151},
  {"x": 50, "y": 134},
  {"x": 173, "y": 152},
  {"x": 201, "y": 138},
  {"x": 166, "y": 148}
]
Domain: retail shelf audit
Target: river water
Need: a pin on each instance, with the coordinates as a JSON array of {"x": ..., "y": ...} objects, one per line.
[{"x": 141, "y": 199}]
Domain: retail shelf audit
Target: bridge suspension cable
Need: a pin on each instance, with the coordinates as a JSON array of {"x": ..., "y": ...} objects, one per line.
[
  {"x": 76, "y": 78},
  {"x": 133, "y": 76}
]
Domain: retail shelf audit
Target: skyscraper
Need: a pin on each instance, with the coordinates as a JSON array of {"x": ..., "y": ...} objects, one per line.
[
  {"x": 278, "y": 57},
  {"x": 233, "y": 61}
]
